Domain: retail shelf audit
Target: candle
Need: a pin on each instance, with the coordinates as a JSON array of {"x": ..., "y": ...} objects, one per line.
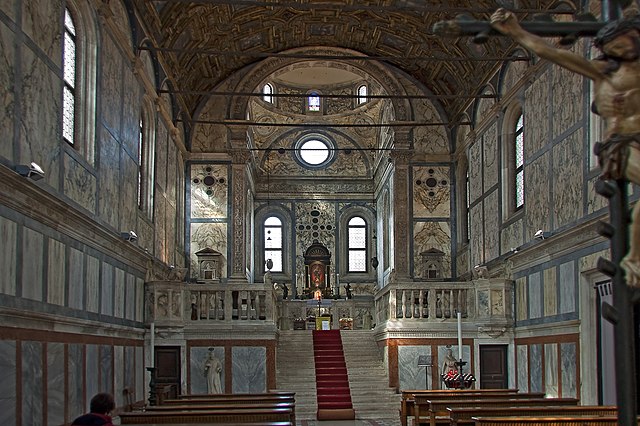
[
  {"x": 153, "y": 343},
  {"x": 459, "y": 337}
]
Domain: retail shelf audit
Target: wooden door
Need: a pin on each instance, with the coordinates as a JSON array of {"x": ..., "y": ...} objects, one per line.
[
  {"x": 168, "y": 369},
  {"x": 493, "y": 367}
]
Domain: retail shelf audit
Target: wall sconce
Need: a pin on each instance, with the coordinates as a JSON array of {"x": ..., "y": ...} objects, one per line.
[
  {"x": 541, "y": 235},
  {"x": 32, "y": 171},
  {"x": 130, "y": 236}
]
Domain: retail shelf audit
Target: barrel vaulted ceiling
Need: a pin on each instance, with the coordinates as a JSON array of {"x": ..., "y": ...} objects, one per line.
[{"x": 205, "y": 42}]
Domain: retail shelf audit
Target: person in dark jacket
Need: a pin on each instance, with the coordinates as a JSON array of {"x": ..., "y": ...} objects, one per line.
[{"x": 100, "y": 407}]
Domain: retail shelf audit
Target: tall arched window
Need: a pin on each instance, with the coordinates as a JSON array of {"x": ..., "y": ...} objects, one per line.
[
  {"x": 362, "y": 94},
  {"x": 69, "y": 77},
  {"x": 467, "y": 196},
  {"x": 357, "y": 245},
  {"x": 272, "y": 237},
  {"x": 141, "y": 161},
  {"x": 78, "y": 112},
  {"x": 267, "y": 93},
  {"x": 518, "y": 165},
  {"x": 146, "y": 155}
]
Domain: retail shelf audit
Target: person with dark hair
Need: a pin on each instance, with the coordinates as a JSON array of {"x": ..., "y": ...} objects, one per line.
[
  {"x": 616, "y": 87},
  {"x": 101, "y": 406}
]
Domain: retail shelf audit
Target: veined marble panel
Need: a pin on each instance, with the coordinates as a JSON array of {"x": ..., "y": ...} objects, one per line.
[
  {"x": 8, "y": 260},
  {"x": 128, "y": 191},
  {"x": 536, "y": 187},
  {"x": 32, "y": 260},
  {"x": 40, "y": 109},
  {"x": 33, "y": 381},
  {"x": 7, "y": 64},
  {"x": 197, "y": 373},
  {"x": 428, "y": 235},
  {"x": 567, "y": 96},
  {"x": 76, "y": 279},
  {"x": 106, "y": 302},
  {"x": 170, "y": 240},
  {"x": 118, "y": 299},
  {"x": 483, "y": 303},
  {"x": 55, "y": 383},
  {"x": 209, "y": 191},
  {"x": 92, "y": 371},
  {"x": 172, "y": 172},
  {"x": 475, "y": 171},
  {"x": 568, "y": 180},
  {"x": 595, "y": 201},
  {"x": 162, "y": 141},
  {"x": 550, "y": 292},
  {"x": 491, "y": 164},
  {"x": 111, "y": 84},
  {"x": 523, "y": 368},
  {"x": 431, "y": 192},
  {"x": 75, "y": 391},
  {"x": 249, "y": 369},
  {"x": 476, "y": 235},
  {"x": 56, "y": 272},
  {"x": 106, "y": 369},
  {"x": 568, "y": 294},
  {"x": 139, "y": 315},
  {"x": 8, "y": 364},
  {"x": 212, "y": 235},
  {"x": 160, "y": 220},
  {"x": 41, "y": 22},
  {"x": 512, "y": 236},
  {"x": 535, "y": 367},
  {"x": 551, "y": 370},
  {"x": 108, "y": 173},
  {"x": 535, "y": 296},
  {"x": 522, "y": 313},
  {"x": 569, "y": 370},
  {"x": 118, "y": 376},
  {"x": 130, "y": 297},
  {"x": 130, "y": 367},
  {"x": 410, "y": 376},
  {"x": 79, "y": 184},
  {"x": 131, "y": 110},
  {"x": 93, "y": 284},
  {"x": 536, "y": 115},
  {"x": 492, "y": 221},
  {"x": 140, "y": 374}
]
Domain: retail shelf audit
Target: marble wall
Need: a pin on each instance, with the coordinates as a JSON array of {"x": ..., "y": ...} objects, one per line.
[
  {"x": 197, "y": 376},
  {"x": 249, "y": 372},
  {"x": 410, "y": 375}
]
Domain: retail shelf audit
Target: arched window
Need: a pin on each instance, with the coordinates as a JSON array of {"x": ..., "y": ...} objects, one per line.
[
  {"x": 313, "y": 102},
  {"x": 69, "y": 77},
  {"x": 272, "y": 237},
  {"x": 267, "y": 93},
  {"x": 357, "y": 244},
  {"x": 78, "y": 112},
  {"x": 467, "y": 212},
  {"x": 518, "y": 164},
  {"x": 362, "y": 94},
  {"x": 146, "y": 155},
  {"x": 141, "y": 160}
]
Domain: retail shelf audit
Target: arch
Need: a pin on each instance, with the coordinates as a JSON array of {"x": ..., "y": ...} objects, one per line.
[
  {"x": 368, "y": 217},
  {"x": 512, "y": 114},
  {"x": 284, "y": 215}
]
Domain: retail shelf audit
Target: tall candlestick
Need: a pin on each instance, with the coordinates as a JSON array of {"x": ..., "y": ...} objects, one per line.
[
  {"x": 153, "y": 343},
  {"x": 459, "y": 336}
]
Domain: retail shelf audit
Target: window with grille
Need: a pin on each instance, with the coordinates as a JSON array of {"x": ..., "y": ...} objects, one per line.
[
  {"x": 519, "y": 162},
  {"x": 362, "y": 94},
  {"x": 313, "y": 102},
  {"x": 272, "y": 236},
  {"x": 357, "y": 244},
  {"x": 267, "y": 93},
  {"x": 69, "y": 77}
]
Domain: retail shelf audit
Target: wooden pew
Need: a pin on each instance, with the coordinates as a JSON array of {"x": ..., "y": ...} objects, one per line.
[
  {"x": 548, "y": 421},
  {"x": 436, "y": 409},
  {"x": 407, "y": 403},
  {"x": 230, "y": 398},
  {"x": 234, "y": 414},
  {"x": 464, "y": 415}
]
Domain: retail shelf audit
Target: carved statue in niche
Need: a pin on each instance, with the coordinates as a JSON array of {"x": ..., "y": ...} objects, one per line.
[{"x": 617, "y": 100}]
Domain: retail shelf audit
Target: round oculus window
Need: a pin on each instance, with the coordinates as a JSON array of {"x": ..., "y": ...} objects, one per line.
[{"x": 314, "y": 152}]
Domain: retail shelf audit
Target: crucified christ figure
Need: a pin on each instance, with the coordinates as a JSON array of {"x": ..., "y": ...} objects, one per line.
[{"x": 616, "y": 84}]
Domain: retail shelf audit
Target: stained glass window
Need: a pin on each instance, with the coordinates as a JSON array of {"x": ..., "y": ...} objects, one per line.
[{"x": 313, "y": 102}]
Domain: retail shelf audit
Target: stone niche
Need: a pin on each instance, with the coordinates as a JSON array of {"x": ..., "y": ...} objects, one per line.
[
  {"x": 210, "y": 265},
  {"x": 432, "y": 264}
]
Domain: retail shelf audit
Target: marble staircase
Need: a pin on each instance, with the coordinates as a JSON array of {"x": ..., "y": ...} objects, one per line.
[{"x": 370, "y": 392}]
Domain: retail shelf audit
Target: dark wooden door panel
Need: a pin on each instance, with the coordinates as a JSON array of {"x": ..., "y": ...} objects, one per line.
[
  {"x": 493, "y": 367},
  {"x": 167, "y": 362}
]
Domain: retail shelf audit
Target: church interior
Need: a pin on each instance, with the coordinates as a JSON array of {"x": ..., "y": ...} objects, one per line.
[{"x": 218, "y": 178}]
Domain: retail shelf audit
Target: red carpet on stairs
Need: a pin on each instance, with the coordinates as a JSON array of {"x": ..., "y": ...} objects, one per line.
[{"x": 332, "y": 381}]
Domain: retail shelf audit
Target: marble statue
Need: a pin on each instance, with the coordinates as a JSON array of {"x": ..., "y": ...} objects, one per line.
[
  {"x": 213, "y": 373},
  {"x": 616, "y": 86},
  {"x": 449, "y": 363}
]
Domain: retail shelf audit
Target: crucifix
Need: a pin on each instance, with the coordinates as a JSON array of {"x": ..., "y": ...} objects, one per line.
[{"x": 616, "y": 84}]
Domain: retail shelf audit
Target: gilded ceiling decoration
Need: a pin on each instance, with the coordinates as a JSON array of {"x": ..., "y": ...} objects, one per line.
[{"x": 207, "y": 41}]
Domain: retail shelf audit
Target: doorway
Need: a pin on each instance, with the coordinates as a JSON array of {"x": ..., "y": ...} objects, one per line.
[
  {"x": 493, "y": 367},
  {"x": 606, "y": 348},
  {"x": 167, "y": 362}
]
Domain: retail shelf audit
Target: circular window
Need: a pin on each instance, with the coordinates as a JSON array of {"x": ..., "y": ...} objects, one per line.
[{"x": 315, "y": 151}]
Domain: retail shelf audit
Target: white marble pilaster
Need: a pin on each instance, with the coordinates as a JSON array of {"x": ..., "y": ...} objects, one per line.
[
  {"x": 535, "y": 368},
  {"x": 76, "y": 279},
  {"x": 32, "y": 260},
  {"x": 55, "y": 383},
  {"x": 93, "y": 284},
  {"x": 8, "y": 235},
  {"x": 551, "y": 370},
  {"x": 569, "y": 370},
  {"x": 567, "y": 288},
  {"x": 118, "y": 301},
  {"x": 535, "y": 296},
  {"x": 106, "y": 302},
  {"x": 56, "y": 272},
  {"x": 139, "y": 308},
  {"x": 249, "y": 369},
  {"x": 523, "y": 368},
  {"x": 130, "y": 297}
]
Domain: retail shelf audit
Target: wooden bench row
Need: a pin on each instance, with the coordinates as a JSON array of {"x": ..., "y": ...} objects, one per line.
[{"x": 548, "y": 421}]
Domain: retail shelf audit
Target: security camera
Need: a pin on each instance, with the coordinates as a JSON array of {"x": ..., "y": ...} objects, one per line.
[
  {"x": 32, "y": 171},
  {"x": 130, "y": 236},
  {"x": 540, "y": 235}
]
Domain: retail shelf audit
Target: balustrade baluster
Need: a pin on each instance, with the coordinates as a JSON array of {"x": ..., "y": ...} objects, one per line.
[
  {"x": 404, "y": 304},
  {"x": 421, "y": 301}
]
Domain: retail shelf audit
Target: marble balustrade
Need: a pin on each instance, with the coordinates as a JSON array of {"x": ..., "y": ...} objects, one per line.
[{"x": 178, "y": 302}]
